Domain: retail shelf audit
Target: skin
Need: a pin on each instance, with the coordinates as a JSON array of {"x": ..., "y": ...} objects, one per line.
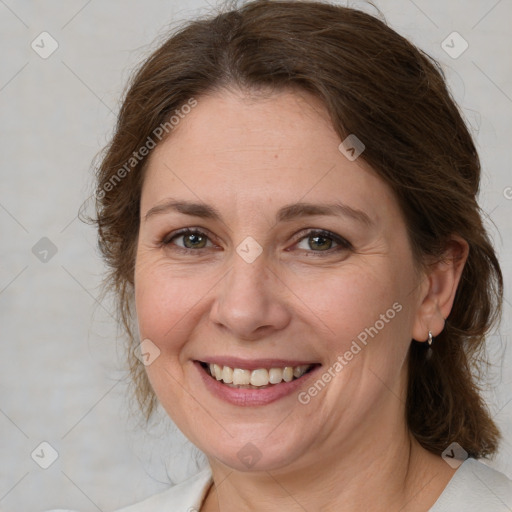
[{"x": 248, "y": 155}]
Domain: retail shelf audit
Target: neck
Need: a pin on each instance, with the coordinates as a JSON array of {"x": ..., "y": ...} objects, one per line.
[{"x": 388, "y": 474}]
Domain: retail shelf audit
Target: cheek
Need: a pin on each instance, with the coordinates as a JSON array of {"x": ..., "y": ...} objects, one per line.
[
  {"x": 166, "y": 304},
  {"x": 347, "y": 300},
  {"x": 165, "y": 307},
  {"x": 365, "y": 312}
]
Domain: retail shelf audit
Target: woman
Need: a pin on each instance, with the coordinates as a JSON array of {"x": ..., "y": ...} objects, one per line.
[{"x": 288, "y": 210}]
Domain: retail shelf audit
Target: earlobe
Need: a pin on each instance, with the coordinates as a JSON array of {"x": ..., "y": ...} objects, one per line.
[{"x": 442, "y": 279}]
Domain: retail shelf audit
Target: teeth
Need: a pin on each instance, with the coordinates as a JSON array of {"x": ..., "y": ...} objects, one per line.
[
  {"x": 299, "y": 371},
  {"x": 275, "y": 375},
  {"x": 241, "y": 377},
  {"x": 227, "y": 374},
  {"x": 288, "y": 374},
  {"x": 258, "y": 378}
]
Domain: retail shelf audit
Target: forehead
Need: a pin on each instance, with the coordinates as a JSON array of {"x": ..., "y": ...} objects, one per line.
[{"x": 271, "y": 148}]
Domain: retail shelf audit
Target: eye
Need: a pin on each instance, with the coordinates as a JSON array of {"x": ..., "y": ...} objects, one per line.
[
  {"x": 314, "y": 241},
  {"x": 188, "y": 239},
  {"x": 322, "y": 241}
]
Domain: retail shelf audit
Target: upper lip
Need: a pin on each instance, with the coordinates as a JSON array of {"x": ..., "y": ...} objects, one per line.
[{"x": 254, "y": 364}]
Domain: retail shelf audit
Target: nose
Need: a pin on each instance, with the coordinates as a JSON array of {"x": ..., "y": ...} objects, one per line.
[{"x": 249, "y": 303}]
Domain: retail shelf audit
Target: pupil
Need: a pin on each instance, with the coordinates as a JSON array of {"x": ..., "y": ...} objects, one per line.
[
  {"x": 193, "y": 240},
  {"x": 321, "y": 242}
]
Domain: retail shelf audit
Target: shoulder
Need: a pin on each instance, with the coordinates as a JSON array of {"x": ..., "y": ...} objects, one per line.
[
  {"x": 182, "y": 497},
  {"x": 475, "y": 487}
]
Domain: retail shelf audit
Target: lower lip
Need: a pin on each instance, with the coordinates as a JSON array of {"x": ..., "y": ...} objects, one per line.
[{"x": 252, "y": 397}]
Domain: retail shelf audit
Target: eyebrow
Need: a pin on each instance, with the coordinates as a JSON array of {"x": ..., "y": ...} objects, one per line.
[{"x": 285, "y": 214}]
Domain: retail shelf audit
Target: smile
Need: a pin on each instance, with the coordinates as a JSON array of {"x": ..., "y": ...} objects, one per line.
[
  {"x": 258, "y": 378},
  {"x": 253, "y": 382}
]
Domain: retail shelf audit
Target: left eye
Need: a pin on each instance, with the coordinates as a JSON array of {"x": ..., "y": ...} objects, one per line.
[{"x": 321, "y": 241}]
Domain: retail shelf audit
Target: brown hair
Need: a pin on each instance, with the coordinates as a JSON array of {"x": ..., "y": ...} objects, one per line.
[{"x": 375, "y": 84}]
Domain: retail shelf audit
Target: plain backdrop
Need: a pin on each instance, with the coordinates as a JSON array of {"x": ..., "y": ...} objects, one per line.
[{"x": 61, "y": 365}]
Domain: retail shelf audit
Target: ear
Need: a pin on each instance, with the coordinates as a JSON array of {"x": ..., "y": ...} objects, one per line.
[{"x": 438, "y": 291}]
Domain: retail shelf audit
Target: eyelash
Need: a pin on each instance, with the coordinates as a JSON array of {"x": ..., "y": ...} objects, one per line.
[{"x": 342, "y": 243}]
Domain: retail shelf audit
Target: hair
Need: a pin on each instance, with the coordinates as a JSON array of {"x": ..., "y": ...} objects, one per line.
[{"x": 374, "y": 83}]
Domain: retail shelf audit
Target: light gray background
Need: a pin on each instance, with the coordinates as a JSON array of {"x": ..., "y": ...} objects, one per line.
[{"x": 61, "y": 367}]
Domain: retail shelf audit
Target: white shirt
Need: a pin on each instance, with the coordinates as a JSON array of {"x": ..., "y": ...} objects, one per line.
[{"x": 474, "y": 487}]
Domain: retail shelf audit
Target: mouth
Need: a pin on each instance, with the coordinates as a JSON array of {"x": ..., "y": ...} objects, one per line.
[{"x": 256, "y": 378}]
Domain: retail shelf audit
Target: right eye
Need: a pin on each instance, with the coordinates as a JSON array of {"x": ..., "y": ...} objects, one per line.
[{"x": 188, "y": 239}]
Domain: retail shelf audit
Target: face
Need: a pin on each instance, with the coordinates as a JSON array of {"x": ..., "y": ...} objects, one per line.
[{"x": 265, "y": 251}]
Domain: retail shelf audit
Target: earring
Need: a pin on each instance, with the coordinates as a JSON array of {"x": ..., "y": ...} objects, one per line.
[{"x": 429, "y": 341}]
